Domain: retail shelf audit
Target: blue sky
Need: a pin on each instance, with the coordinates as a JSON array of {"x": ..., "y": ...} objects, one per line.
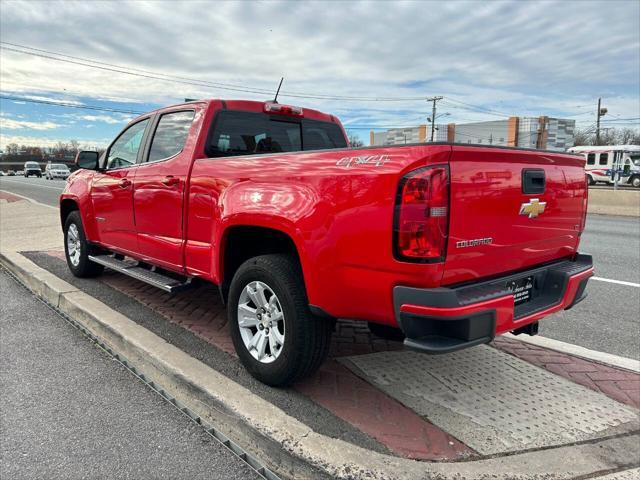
[{"x": 488, "y": 59}]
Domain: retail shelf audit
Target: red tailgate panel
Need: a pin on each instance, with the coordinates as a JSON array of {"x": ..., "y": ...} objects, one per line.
[{"x": 486, "y": 199}]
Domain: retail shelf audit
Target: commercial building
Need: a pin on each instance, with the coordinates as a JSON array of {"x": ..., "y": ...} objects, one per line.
[{"x": 544, "y": 133}]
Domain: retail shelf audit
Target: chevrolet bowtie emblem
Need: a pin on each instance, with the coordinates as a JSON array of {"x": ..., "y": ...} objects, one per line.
[{"x": 533, "y": 208}]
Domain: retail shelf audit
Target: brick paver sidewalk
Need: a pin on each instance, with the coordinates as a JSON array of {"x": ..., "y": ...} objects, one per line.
[
  {"x": 9, "y": 198},
  {"x": 619, "y": 384},
  {"x": 351, "y": 398}
]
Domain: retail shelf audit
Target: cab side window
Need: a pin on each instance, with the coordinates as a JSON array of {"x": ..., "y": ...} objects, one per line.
[
  {"x": 170, "y": 135},
  {"x": 591, "y": 159},
  {"x": 124, "y": 151}
]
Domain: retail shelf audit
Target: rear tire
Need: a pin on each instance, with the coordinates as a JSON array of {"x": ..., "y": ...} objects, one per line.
[
  {"x": 77, "y": 249},
  {"x": 635, "y": 181},
  {"x": 302, "y": 341},
  {"x": 591, "y": 180}
]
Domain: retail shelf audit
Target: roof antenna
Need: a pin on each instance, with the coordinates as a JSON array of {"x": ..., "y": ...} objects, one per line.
[{"x": 275, "y": 100}]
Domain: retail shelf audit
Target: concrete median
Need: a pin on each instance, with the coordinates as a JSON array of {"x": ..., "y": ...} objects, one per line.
[{"x": 614, "y": 202}]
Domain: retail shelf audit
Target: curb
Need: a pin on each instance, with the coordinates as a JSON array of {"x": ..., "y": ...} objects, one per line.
[
  {"x": 578, "y": 351},
  {"x": 283, "y": 443}
]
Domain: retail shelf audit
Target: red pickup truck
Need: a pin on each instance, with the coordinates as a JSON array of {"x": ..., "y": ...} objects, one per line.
[{"x": 446, "y": 245}]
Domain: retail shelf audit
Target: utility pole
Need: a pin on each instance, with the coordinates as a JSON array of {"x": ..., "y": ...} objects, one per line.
[
  {"x": 433, "y": 114},
  {"x": 601, "y": 113}
]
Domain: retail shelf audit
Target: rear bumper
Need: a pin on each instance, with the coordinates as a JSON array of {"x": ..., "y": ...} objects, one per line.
[{"x": 442, "y": 320}]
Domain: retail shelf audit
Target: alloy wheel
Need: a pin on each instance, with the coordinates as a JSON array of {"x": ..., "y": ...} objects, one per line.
[
  {"x": 261, "y": 322},
  {"x": 73, "y": 244}
]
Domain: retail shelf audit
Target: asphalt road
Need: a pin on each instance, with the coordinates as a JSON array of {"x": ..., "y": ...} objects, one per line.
[
  {"x": 38, "y": 189},
  {"x": 608, "y": 320},
  {"x": 70, "y": 411}
]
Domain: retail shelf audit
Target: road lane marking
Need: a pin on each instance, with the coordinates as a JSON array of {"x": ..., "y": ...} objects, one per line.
[
  {"x": 619, "y": 282},
  {"x": 29, "y": 184},
  {"x": 29, "y": 199}
]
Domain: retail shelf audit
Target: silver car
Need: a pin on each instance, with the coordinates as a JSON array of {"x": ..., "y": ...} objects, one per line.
[{"x": 56, "y": 170}]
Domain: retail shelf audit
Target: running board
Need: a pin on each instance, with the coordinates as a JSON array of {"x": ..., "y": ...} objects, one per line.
[{"x": 134, "y": 270}]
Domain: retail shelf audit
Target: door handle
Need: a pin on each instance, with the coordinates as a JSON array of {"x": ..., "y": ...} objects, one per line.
[
  {"x": 124, "y": 183},
  {"x": 170, "y": 181}
]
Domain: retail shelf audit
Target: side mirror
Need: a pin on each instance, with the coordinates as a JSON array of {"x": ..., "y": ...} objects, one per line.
[{"x": 87, "y": 160}]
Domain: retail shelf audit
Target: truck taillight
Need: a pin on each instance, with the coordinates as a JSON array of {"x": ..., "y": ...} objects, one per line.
[
  {"x": 585, "y": 203},
  {"x": 421, "y": 219},
  {"x": 271, "y": 107}
]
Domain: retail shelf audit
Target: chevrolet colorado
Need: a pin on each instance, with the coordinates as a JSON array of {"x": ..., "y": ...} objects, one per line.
[{"x": 448, "y": 245}]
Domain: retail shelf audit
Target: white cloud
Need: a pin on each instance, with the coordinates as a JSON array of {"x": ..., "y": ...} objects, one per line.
[
  {"x": 10, "y": 124},
  {"x": 52, "y": 99},
  {"x": 47, "y": 141},
  {"x": 522, "y": 58},
  {"x": 101, "y": 118}
]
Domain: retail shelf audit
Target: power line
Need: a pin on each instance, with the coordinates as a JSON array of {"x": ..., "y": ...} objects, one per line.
[
  {"x": 124, "y": 67},
  {"x": 134, "y": 112},
  {"x": 69, "y": 105},
  {"x": 59, "y": 57},
  {"x": 621, "y": 119},
  {"x": 478, "y": 107}
]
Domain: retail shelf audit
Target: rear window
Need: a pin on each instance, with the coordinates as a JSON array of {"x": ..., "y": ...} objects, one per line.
[
  {"x": 246, "y": 133},
  {"x": 58, "y": 166},
  {"x": 31, "y": 165}
]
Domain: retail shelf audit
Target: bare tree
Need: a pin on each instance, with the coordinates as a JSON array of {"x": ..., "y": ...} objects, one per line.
[
  {"x": 608, "y": 136},
  {"x": 355, "y": 141},
  {"x": 628, "y": 136},
  {"x": 583, "y": 137},
  {"x": 12, "y": 149}
]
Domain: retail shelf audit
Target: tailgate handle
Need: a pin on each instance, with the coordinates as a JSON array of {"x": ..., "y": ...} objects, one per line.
[{"x": 533, "y": 181}]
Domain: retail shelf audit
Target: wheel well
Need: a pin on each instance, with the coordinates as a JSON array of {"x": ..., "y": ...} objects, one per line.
[
  {"x": 244, "y": 242},
  {"x": 66, "y": 207}
]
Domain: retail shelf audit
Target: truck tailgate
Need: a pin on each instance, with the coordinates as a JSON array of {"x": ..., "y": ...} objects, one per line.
[{"x": 504, "y": 218}]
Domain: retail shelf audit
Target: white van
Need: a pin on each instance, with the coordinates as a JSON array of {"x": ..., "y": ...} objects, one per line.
[{"x": 603, "y": 161}]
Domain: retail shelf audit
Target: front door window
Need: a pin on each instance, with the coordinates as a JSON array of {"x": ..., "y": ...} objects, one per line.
[{"x": 124, "y": 151}]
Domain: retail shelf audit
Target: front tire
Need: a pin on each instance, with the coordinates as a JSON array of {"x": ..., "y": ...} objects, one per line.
[
  {"x": 591, "y": 180},
  {"x": 77, "y": 249},
  {"x": 635, "y": 182},
  {"x": 275, "y": 334}
]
